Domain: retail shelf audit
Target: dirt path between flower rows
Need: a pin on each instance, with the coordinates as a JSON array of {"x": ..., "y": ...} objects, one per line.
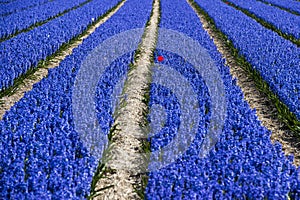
[
  {"x": 126, "y": 159},
  {"x": 8, "y": 101},
  {"x": 265, "y": 109}
]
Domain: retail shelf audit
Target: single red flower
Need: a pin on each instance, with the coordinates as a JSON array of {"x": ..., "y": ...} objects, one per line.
[{"x": 160, "y": 58}]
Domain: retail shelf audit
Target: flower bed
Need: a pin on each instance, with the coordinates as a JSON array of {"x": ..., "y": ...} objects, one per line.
[
  {"x": 244, "y": 163},
  {"x": 275, "y": 59},
  {"x": 22, "y": 20},
  {"x": 287, "y": 4},
  {"x": 286, "y": 22},
  {"x": 24, "y": 51},
  {"x": 18, "y": 5},
  {"x": 41, "y": 155}
]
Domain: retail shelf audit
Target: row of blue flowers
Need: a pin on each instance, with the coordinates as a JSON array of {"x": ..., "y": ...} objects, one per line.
[
  {"x": 24, "y": 51},
  {"x": 276, "y": 59},
  {"x": 41, "y": 154},
  {"x": 282, "y": 20},
  {"x": 6, "y": 1},
  {"x": 18, "y": 5},
  {"x": 21, "y": 20},
  {"x": 244, "y": 163},
  {"x": 287, "y": 4}
]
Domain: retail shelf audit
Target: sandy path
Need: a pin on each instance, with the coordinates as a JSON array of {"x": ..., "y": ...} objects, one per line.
[{"x": 125, "y": 157}]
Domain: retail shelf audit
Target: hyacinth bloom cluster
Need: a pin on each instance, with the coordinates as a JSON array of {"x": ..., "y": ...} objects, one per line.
[
  {"x": 107, "y": 89},
  {"x": 24, "y": 51},
  {"x": 276, "y": 59},
  {"x": 286, "y": 22},
  {"x": 244, "y": 163},
  {"x": 287, "y": 4},
  {"x": 24, "y": 19},
  {"x": 41, "y": 155},
  {"x": 10, "y": 7}
]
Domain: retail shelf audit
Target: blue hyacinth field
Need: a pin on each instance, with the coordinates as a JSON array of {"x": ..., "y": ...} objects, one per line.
[{"x": 150, "y": 99}]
